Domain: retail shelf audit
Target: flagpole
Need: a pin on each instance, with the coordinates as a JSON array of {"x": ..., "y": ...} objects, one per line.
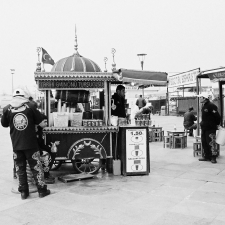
[
  {"x": 43, "y": 70},
  {"x": 12, "y": 72}
]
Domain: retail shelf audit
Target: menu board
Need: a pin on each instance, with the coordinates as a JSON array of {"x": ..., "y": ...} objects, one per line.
[{"x": 136, "y": 150}]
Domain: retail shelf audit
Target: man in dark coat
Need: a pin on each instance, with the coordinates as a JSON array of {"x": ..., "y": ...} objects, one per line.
[
  {"x": 209, "y": 125},
  {"x": 118, "y": 102},
  {"x": 140, "y": 102},
  {"x": 21, "y": 116},
  {"x": 189, "y": 119}
]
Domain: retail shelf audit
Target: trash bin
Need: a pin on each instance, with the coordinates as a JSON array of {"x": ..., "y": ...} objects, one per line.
[{"x": 163, "y": 110}]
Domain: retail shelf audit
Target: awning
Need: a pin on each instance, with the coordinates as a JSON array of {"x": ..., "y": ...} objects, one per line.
[
  {"x": 143, "y": 78},
  {"x": 214, "y": 75}
]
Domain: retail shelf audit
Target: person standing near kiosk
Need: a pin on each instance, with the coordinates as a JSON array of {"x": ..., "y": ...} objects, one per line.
[
  {"x": 21, "y": 116},
  {"x": 189, "y": 119},
  {"x": 118, "y": 102},
  {"x": 209, "y": 124},
  {"x": 141, "y": 102}
]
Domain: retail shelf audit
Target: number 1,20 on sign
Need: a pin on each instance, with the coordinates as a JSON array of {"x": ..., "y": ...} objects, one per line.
[{"x": 136, "y": 132}]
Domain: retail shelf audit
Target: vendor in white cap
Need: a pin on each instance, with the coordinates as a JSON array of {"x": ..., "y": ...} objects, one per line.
[{"x": 209, "y": 124}]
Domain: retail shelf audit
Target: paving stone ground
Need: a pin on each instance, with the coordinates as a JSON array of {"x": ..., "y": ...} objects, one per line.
[{"x": 179, "y": 190}]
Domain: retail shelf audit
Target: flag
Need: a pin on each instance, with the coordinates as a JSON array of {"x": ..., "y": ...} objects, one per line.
[{"x": 46, "y": 58}]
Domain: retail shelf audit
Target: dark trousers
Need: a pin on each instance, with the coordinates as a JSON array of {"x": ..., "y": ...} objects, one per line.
[
  {"x": 32, "y": 156},
  {"x": 209, "y": 145}
]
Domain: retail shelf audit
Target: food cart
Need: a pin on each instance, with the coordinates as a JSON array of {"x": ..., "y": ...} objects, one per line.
[{"x": 85, "y": 140}]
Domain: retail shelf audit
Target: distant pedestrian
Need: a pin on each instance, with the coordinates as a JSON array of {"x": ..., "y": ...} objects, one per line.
[
  {"x": 140, "y": 102},
  {"x": 209, "y": 125},
  {"x": 21, "y": 116},
  {"x": 33, "y": 102},
  {"x": 189, "y": 119}
]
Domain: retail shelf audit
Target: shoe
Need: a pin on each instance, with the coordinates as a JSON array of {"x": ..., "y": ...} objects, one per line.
[
  {"x": 44, "y": 193},
  {"x": 203, "y": 159},
  {"x": 24, "y": 194},
  {"x": 49, "y": 180},
  {"x": 213, "y": 160}
]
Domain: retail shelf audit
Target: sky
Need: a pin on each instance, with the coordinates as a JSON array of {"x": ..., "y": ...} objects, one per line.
[{"x": 176, "y": 35}]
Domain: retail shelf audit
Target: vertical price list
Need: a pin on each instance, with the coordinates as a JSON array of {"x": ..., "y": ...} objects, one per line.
[{"x": 136, "y": 150}]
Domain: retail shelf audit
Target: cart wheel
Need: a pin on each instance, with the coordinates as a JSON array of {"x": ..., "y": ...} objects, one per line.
[
  {"x": 56, "y": 164},
  {"x": 87, "y": 165}
]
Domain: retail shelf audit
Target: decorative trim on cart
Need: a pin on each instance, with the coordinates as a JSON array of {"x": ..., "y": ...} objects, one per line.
[
  {"x": 80, "y": 129},
  {"x": 74, "y": 75},
  {"x": 87, "y": 144}
]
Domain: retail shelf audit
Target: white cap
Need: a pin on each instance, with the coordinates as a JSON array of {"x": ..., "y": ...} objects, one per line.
[
  {"x": 18, "y": 92},
  {"x": 204, "y": 95}
]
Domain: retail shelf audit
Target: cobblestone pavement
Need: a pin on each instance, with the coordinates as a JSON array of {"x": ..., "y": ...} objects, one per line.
[{"x": 179, "y": 190}]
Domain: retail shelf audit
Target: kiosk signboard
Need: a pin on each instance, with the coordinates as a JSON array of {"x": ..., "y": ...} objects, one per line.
[
  {"x": 184, "y": 78},
  {"x": 134, "y": 150},
  {"x": 136, "y": 157}
]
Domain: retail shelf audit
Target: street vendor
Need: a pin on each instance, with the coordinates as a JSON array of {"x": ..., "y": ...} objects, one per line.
[{"x": 118, "y": 102}]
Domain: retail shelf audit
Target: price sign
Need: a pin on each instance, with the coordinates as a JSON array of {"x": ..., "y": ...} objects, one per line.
[{"x": 136, "y": 150}]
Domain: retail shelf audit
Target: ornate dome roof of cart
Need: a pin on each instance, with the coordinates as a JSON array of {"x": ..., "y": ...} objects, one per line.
[{"x": 75, "y": 63}]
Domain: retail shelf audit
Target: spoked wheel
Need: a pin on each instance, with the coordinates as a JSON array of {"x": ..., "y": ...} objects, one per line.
[
  {"x": 56, "y": 164},
  {"x": 87, "y": 165}
]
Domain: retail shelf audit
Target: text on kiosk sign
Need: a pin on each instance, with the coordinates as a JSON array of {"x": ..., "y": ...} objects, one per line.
[
  {"x": 69, "y": 84},
  {"x": 183, "y": 78}
]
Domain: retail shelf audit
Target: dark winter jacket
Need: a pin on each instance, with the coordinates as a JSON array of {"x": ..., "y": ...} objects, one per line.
[
  {"x": 119, "y": 106},
  {"x": 21, "y": 116},
  {"x": 210, "y": 116},
  {"x": 189, "y": 119},
  {"x": 141, "y": 102}
]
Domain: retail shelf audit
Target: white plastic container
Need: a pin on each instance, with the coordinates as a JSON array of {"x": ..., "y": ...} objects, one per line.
[
  {"x": 116, "y": 167},
  {"x": 220, "y": 136},
  {"x": 76, "y": 119},
  {"x": 60, "y": 119}
]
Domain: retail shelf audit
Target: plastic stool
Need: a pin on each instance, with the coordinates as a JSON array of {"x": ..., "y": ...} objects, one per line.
[
  {"x": 167, "y": 141},
  {"x": 181, "y": 142},
  {"x": 197, "y": 148}
]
